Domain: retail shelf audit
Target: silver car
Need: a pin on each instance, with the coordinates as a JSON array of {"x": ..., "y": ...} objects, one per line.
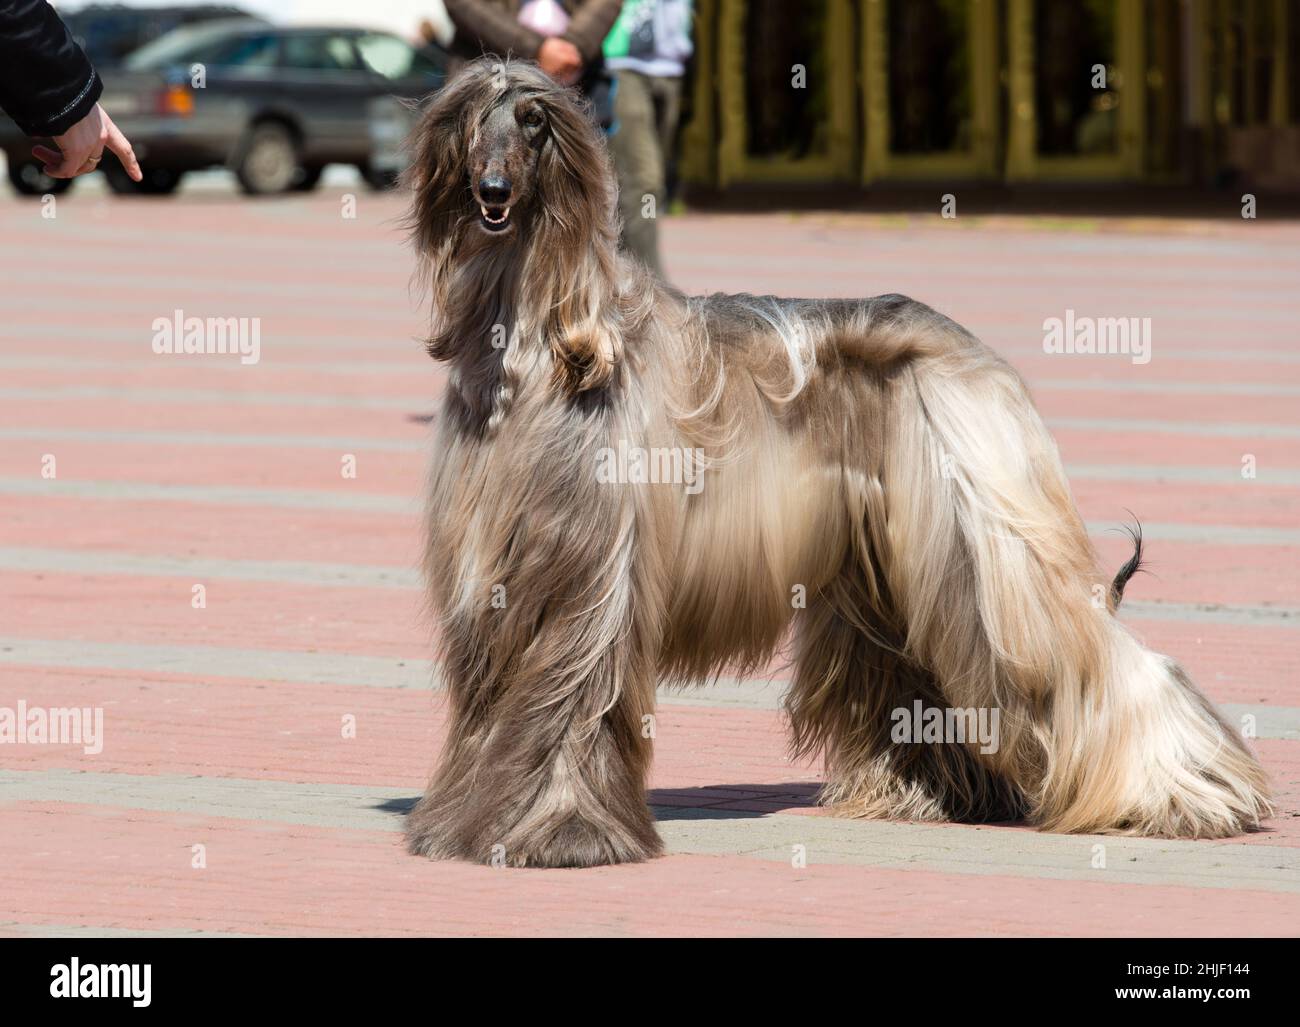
[{"x": 273, "y": 104}]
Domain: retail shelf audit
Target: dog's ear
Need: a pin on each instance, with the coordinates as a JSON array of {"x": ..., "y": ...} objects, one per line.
[
  {"x": 575, "y": 246},
  {"x": 439, "y": 153}
]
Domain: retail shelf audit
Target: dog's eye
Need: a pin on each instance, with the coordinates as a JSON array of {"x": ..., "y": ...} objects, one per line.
[{"x": 533, "y": 119}]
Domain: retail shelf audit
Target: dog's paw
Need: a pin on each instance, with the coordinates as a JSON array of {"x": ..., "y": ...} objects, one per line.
[
  {"x": 427, "y": 840},
  {"x": 577, "y": 842}
]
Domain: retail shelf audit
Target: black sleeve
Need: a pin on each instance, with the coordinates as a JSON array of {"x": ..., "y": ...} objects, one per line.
[{"x": 47, "y": 84}]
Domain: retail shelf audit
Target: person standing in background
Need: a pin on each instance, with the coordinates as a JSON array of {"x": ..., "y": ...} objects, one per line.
[
  {"x": 437, "y": 28},
  {"x": 648, "y": 50},
  {"x": 50, "y": 89},
  {"x": 564, "y": 38}
]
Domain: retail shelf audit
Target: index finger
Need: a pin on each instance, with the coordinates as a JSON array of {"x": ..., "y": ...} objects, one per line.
[{"x": 118, "y": 143}]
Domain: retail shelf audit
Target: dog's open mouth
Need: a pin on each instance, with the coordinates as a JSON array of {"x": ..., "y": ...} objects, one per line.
[{"x": 495, "y": 219}]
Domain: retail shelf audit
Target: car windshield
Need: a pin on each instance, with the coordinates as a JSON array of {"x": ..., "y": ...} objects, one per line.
[
  {"x": 183, "y": 45},
  {"x": 109, "y": 34}
]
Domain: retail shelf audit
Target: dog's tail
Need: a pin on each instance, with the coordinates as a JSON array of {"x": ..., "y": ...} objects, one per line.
[
  {"x": 1131, "y": 567},
  {"x": 994, "y": 578}
]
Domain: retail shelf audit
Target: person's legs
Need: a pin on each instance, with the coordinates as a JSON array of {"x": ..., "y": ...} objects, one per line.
[
  {"x": 668, "y": 109},
  {"x": 639, "y": 162}
]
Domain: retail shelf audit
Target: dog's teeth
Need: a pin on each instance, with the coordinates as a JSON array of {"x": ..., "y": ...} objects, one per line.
[{"x": 484, "y": 210}]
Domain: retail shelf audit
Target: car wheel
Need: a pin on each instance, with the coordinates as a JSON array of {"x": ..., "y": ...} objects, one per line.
[
  {"x": 308, "y": 179},
  {"x": 269, "y": 160},
  {"x": 379, "y": 179},
  {"x": 27, "y": 178},
  {"x": 156, "y": 181}
]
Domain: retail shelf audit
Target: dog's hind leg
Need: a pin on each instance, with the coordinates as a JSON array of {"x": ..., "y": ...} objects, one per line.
[
  {"x": 851, "y": 691},
  {"x": 998, "y": 596}
]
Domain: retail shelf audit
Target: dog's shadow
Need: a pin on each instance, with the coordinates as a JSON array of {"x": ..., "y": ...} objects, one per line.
[
  {"x": 705, "y": 802},
  {"x": 399, "y": 807},
  {"x": 731, "y": 801}
]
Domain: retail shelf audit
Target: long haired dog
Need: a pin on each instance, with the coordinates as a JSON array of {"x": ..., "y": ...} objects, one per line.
[{"x": 633, "y": 486}]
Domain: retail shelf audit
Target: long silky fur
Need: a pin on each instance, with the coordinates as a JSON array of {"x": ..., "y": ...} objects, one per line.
[{"x": 870, "y": 455}]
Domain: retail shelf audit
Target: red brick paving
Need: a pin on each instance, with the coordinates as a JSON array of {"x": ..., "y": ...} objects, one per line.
[
  {"x": 283, "y": 419},
  {"x": 314, "y": 278},
  {"x": 291, "y": 880},
  {"x": 218, "y": 532}
]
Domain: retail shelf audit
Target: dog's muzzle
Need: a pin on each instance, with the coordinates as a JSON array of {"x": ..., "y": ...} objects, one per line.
[{"x": 493, "y": 193}]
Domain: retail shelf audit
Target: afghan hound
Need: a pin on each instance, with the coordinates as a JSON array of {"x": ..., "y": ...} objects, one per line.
[{"x": 634, "y": 487}]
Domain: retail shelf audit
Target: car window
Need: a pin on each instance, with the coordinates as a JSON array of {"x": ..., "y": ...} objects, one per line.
[
  {"x": 183, "y": 46},
  {"x": 244, "y": 52},
  {"x": 108, "y": 34},
  {"x": 320, "y": 53},
  {"x": 393, "y": 57}
]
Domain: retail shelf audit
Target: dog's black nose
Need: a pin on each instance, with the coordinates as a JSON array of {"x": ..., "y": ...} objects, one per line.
[{"x": 494, "y": 190}]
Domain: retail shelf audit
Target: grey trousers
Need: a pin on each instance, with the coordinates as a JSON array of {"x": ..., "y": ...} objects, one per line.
[{"x": 646, "y": 109}]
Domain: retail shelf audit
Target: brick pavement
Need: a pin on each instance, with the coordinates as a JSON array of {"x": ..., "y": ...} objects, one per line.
[{"x": 222, "y": 724}]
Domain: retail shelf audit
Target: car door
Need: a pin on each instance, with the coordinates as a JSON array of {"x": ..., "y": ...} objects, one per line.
[
  {"x": 325, "y": 83},
  {"x": 195, "y": 90},
  {"x": 402, "y": 73}
]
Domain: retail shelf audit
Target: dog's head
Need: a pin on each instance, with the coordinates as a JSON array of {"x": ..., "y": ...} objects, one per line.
[
  {"x": 503, "y": 145},
  {"x": 513, "y": 212}
]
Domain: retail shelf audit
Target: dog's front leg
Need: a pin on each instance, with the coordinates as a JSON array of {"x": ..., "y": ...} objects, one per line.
[{"x": 550, "y": 663}]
